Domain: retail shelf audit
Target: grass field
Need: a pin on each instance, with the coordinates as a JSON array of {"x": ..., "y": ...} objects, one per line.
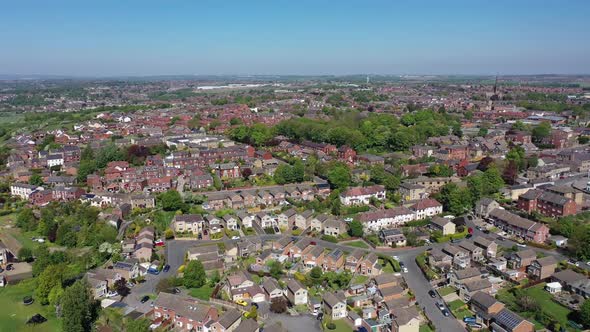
[
  {"x": 444, "y": 291},
  {"x": 425, "y": 328},
  {"x": 357, "y": 244},
  {"x": 203, "y": 293},
  {"x": 341, "y": 326},
  {"x": 551, "y": 308},
  {"x": 360, "y": 279},
  {"x": 14, "y": 313}
]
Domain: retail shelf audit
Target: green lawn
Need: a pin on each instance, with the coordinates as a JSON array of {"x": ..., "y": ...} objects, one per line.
[
  {"x": 454, "y": 305},
  {"x": 14, "y": 313},
  {"x": 360, "y": 279},
  {"x": 341, "y": 326},
  {"x": 425, "y": 328},
  {"x": 203, "y": 293},
  {"x": 357, "y": 244},
  {"x": 461, "y": 313},
  {"x": 551, "y": 308},
  {"x": 444, "y": 291}
]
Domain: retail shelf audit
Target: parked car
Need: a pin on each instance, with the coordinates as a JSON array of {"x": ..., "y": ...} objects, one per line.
[
  {"x": 153, "y": 271},
  {"x": 159, "y": 243},
  {"x": 440, "y": 306},
  {"x": 166, "y": 268},
  {"x": 474, "y": 325},
  {"x": 522, "y": 245},
  {"x": 486, "y": 231},
  {"x": 28, "y": 300},
  {"x": 242, "y": 303},
  {"x": 112, "y": 294},
  {"x": 144, "y": 299},
  {"x": 432, "y": 293},
  {"x": 468, "y": 236},
  {"x": 445, "y": 312},
  {"x": 176, "y": 290},
  {"x": 235, "y": 237}
]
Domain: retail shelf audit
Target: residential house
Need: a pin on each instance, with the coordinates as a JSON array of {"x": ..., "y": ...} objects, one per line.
[
  {"x": 475, "y": 252},
  {"x": 128, "y": 269},
  {"x": 522, "y": 258},
  {"x": 516, "y": 225},
  {"x": 485, "y": 307},
  {"x": 392, "y": 237},
  {"x": 334, "y": 227},
  {"x": 490, "y": 248},
  {"x": 469, "y": 288},
  {"x": 353, "y": 261},
  {"x": 184, "y": 314},
  {"x": 334, "y": 261},
  {"x": 508, "y": 321},
  {"x": 370, "y": 265},
  {"x": 272, "y": 288},
  {"x": 445, "y": 225},
  {"x": 461, "y": 258},
  {"x": 406, "y": 320},
  {"x": 484, "y": 206},
  {"x": 188, "y": 223},
  {"x": 335, "y": 305},
  {"x": 362, "y": 195},
  {"x": 296, "y": 293},
  {"x": 412, "y": 192},
  {"x": 427, "y": 207},
  {"x": 542, "y": 268}
]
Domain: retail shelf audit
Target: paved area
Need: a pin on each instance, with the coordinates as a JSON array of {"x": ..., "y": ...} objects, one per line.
[{"x": 307, "y": 323}]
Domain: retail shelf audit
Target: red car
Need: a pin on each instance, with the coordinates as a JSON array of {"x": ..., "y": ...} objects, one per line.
[{"x": 159, "y": 243}]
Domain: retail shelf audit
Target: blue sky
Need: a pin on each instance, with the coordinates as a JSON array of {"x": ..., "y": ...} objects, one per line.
[{"x": 125, "y": 37}]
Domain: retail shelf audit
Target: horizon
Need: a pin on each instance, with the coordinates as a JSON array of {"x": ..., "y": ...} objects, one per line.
[{"x": 269, "y": 38}]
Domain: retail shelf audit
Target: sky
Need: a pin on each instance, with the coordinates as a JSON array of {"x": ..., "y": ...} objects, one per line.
[{"x": 301, "y": 37}]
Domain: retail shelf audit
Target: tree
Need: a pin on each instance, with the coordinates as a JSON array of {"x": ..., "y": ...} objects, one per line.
[
  {"x": 51, "y": 277},
  {"x": 339, "y": 176},
  {"x": 316, "y": 274},
  {"x": 36, "y": 180},
  {"x": 355, "y": 229},
  {"x": 77, "y": 308},
  {"x": 25, "y": 254},
  {"x": 121, "y": 287},
  {"x": 194, "y": 275},
  {"x": 26, "y": 220},
  {"x": 278, "y": 305},
  {"x": 510, "y": 172},
  {"x": 440, "y": 170},
  {"x": 171, "y": 200},
  {"x": 246, "y": 173},
  {"x": 86, "y": 168},
  {"x": 276, "y": 269},
  {"x": 541, "y": 131},
  {"x": 214, "y": 278},
  {"x": 583, "y": 139},
  {"x": 584, "y": 313}
]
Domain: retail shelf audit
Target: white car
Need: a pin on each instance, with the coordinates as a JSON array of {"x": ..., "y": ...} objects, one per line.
[
  {"x": 112, "y": 294},
  {"x": 235, "y": 237},
  {"x": 396, "y": 258},
  {"x": 522, "y": 245}
]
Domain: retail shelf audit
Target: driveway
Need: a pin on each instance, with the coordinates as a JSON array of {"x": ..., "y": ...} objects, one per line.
[{"x": 307, "y": 323}]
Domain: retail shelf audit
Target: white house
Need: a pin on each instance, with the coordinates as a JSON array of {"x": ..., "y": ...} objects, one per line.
[
  {"x": 362, "y": 195},
  {"x": 383, "y": 219},
  {"x": 427, "y": 207},
  {"x": 23, "y": 190}
]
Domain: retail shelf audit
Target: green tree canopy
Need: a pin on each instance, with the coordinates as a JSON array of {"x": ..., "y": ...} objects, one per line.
[{"x": 194, "y": 275}]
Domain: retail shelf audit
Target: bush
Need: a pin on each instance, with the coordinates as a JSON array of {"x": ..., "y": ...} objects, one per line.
[{"x": 331, "y": 326}]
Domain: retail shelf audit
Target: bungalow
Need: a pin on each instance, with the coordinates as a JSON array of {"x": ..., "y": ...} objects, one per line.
[{"x": 392, "y": 237}]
